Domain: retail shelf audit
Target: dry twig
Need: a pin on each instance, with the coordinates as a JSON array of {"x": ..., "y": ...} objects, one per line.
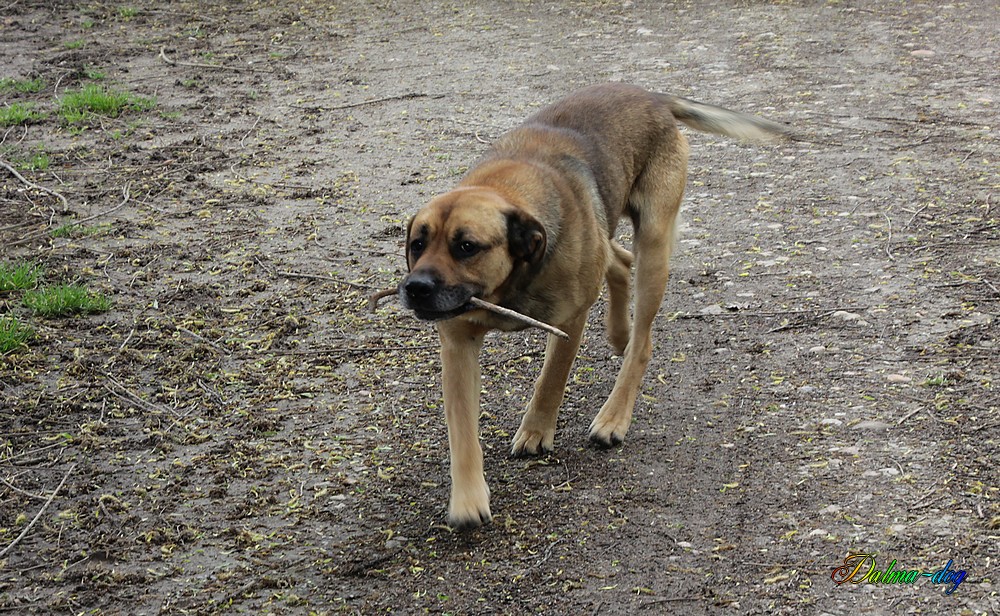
[
  {"x": 125, "y": 199},
  {"x": 484, "y": 305},
  {"x": 218, "y": 67},
  {"x": 397, "y": 97},
  {"x": 38, "y": 515},
  {"x": 30, "y": 184}
]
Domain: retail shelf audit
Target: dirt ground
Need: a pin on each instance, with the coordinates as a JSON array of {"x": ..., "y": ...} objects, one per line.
[{"x": 239, "y": 435}]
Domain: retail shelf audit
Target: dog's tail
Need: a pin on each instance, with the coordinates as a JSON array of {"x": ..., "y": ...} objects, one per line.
[{"x": 712, "y": 119}]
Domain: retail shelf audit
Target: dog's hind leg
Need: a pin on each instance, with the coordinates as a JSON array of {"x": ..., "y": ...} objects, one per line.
[
  {"x": 655, "y": 202},
  {"x": 470, "y": 495},
  {"x": 538, "y": 426},
  {"x": 618, "y": 321}
]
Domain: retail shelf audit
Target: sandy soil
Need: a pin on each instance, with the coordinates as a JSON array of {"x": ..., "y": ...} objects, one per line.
[{"x": 238, "y": 435}]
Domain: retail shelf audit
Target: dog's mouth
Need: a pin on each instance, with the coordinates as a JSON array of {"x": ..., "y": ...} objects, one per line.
[
  {"x": 441, "y": 315},
  {"x": 437, "y": 304}
]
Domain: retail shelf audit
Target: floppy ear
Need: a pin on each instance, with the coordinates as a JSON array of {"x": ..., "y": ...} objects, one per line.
[
  {"x": 526, "y": 238},
  {"x": 406, "y": 243}
]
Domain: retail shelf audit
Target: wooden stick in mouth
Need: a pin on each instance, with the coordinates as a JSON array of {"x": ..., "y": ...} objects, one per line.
[
  {"x": 507, "y": 312},
  {"x": 484, "y": 305}
]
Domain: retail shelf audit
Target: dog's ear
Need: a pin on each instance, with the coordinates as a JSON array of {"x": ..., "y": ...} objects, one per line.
[
  {"x": 526, "y": 238},
  {"x": 406, "y": 243}
]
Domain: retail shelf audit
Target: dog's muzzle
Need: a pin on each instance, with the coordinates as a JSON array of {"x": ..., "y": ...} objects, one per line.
[{"x": 431, "y": 300}]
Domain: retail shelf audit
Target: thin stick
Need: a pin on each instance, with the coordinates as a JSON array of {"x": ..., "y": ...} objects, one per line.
[
  {"x": 38, "y": 515},
  {"x": 507, "y": 312},
  {"x": 14, "y": 172},
  {"x": 397, "y": 97},
  {"x": 379, "y": 296},
  {"x": 125, "y": 199},
  {"x": 218, "y": 67},
  {"x": 888, "y": 240},
  {"x": 908, "y": 415},
  {"x": 484, "y": 305}
]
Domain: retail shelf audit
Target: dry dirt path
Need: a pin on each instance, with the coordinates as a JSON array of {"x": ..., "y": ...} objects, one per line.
[{"x": 238, "y": 435}]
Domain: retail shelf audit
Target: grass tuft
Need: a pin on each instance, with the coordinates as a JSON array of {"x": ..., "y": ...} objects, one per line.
[
  {"x": 19, "y": 113},
  {"x": 65, "y": 300},
  {"x": 76, "y": 107},
  {"x": 18, "y": 277},
  {"x": 13, "y": 335},
  {"x": 75, "y": 230},
  {"x": 24, "y": 86}
]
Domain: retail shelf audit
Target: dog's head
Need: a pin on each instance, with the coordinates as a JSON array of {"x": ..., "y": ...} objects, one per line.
[{"x": 466, "y": 243}]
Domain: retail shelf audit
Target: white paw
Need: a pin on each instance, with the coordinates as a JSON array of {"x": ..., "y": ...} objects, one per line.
[{"x": 469, "y": 506}]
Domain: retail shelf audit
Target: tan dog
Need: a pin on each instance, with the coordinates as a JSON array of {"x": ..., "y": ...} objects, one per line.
[{"x": 531, "y": 228}]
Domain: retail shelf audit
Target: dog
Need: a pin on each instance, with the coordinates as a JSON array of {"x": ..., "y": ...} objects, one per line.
[{"x": 531, "y": 227}]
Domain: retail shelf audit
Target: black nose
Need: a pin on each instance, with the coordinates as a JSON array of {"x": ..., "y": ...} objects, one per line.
[{"x": 419, "y": 286}]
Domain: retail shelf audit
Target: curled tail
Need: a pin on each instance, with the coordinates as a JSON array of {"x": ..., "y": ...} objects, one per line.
[{"x": 712, "y": 119}]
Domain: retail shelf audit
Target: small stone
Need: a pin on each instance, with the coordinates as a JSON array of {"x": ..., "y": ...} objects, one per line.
[
  {"x": 898, "y": 378},
  {"x": 845, "y": 315},
  {"x": 871, "y": 424},
  {"x": 922, "y": 53},
  {"x": 817, "y": 350},
  {"x": 713, "y": 309}
]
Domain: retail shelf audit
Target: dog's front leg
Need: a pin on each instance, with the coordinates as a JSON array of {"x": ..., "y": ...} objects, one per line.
[
  {"x": 536, "y": 435},
  {"x": 470, "y": 496}
]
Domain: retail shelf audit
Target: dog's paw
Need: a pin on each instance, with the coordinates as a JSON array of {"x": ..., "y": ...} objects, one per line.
[
  {"x": 532, "y": 442},
  {"x": 618, "y": 337},
  {"x": 470, "y": 508},
  {"x": 607, "y": 434}
]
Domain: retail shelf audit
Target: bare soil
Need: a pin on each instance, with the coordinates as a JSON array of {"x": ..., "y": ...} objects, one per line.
[{"x": 239, "y": 435}]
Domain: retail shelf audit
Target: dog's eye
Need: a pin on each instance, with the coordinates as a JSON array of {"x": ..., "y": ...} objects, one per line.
[
  {"x": 467, "y": 248},
  {"x": 417, "y": 246}
]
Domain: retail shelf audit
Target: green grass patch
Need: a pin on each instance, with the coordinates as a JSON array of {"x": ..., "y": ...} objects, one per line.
[
  {"x": 23, "y": 86},
  {"x": 94, "y": 100},
  {"x": 39, "y": 161},
  {"x": 75, "y": 44},
  {"x": 19, "y": 277},
  {"x": 73, "y": 230},
  {"x": 65, "y": 300},
  {"x": 19, "y": 113},
  {"x": 13, "y": 335}
]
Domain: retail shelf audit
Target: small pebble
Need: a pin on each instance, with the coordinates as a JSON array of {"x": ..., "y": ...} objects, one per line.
[
  {"x": 846, "y": 316},
  {"x": 871, "y": 424}
]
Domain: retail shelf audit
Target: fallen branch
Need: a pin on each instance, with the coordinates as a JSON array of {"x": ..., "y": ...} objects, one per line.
[
  {"x": 218, "y": 67},
  {"x": 29, "y": 184},
  {"x": 38, "y": 515},
  {"x": 374, "y": 101},
  {"x": 484, "y": 305},
  {"x": 379, "y": 296},
  {"x": 125, "y": 199}
]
